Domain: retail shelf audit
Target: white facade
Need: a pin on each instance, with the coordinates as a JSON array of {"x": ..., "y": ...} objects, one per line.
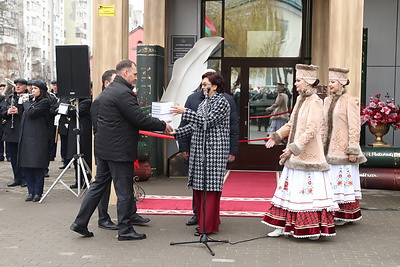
[
  {"x": 36, "y": 46},
  {"x": 9, "y": 35},
  {"x": 78, "y": 22}
]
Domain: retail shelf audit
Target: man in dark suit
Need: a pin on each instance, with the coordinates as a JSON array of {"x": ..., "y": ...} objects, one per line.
[
  {"x": 192, "y": 103},
  {"x": 11, "y": 111},
  {"x": 115, "y": 146},
  {"x": 62, "y": 125}
]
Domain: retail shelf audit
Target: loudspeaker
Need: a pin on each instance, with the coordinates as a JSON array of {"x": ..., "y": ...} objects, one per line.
[{"x": 73, "y": 71}]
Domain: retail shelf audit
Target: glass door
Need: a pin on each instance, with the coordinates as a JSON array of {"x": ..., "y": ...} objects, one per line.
[{"x": 253, "y": 86}]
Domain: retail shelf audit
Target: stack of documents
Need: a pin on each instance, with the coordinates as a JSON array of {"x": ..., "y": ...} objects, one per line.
[{"x": 161, "y": 110}]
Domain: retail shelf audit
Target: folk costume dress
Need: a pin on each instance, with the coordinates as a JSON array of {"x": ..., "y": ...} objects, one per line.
[
  {"x": 342, "y": 136},
  {"x": 215, "y": 113},
  {"x": 303, "y": 202}
]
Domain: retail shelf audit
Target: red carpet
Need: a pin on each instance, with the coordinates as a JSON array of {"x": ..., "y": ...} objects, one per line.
[{"x": 245, "y": 194}]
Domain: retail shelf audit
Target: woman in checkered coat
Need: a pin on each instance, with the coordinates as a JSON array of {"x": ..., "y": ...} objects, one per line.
[
  {"x": 303, "y": 203},
  {"x": 213, "y": 114}
]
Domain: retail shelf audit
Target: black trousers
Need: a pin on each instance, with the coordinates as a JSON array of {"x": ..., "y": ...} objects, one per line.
[
  {"x": 18, "y": 172},
  {"x": 122, "y": 176},
  {"x": 34, "y": 180},
  {"x": 103, "y": 206}
]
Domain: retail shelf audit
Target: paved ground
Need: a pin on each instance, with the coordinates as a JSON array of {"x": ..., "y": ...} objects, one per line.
[{"x": 33, "y": 234}]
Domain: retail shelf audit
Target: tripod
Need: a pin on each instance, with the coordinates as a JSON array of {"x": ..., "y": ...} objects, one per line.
[
  {"x": 81, "y": 164},
  {"x": 204, "y": 239}
]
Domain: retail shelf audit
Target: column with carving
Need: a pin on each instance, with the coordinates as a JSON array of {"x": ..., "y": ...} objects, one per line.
[{"x": 150, "y": 66}]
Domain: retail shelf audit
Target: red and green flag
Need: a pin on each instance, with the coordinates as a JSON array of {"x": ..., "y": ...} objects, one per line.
[{"x": 209, "y": 27}]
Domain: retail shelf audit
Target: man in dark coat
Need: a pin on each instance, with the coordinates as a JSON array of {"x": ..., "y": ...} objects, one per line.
[
  {"x": 52, "y": 129},
  {"x": 115, "y": 147},
  {"x": 11, "y": 111},
  {"x": 192, "y": 103},
  {"x": 105, "y": 221},
  {"x": 62, "y": 128}
]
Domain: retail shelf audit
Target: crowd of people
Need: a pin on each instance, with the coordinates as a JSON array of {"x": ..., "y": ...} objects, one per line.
[
  {"x": 319, "y": 186},
  {"x": 27, "y": 114}
]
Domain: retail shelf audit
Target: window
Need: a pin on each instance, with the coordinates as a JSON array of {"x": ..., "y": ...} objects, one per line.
[{"x": 258, "y": 28}]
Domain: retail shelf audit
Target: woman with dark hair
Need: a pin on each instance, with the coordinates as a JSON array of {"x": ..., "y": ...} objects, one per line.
[
  {"x": 303, "y": 205},
  {"x": 342, "y": 146},
  {"x": 33, "y": 140},
  {"x": 209, "y": 129}
]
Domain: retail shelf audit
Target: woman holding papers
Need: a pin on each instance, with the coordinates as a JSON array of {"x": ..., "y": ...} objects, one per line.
[{"x": 209, "y": 150}]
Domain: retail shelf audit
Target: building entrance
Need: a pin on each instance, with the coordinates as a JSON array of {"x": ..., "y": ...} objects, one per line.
[{"x": 253, "y": 84}]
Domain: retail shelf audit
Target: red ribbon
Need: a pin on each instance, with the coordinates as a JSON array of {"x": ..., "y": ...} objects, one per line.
[
  {"x": 267, "y": 116},
  {"x": 171, "y": 137},
  {"x": 260, "y": 139},
  {"x": 156, "y": 135}
]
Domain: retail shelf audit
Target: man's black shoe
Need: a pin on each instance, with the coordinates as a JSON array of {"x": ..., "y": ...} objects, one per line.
[
  {"x": 192, "y": 221},
  {"x": 81, "y": 230},
  {"x": 29, "y": 198},
  {"x": 23, "y": 184},
  {"x": 139, "y": 220},
  {"x": 46, "y": 173},
  {"x": 73, "y": 186},
  {"x": 132, "y": 236},
  {"x": 15, "y": 183},
  {"x": 109, "y": 225}
]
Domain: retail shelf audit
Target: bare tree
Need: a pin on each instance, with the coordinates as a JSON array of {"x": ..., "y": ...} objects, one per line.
[{"x": 8, "y": 48}]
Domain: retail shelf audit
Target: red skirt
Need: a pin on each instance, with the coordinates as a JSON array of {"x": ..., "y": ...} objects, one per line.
[
  {"x": 211, "y": 210},
  {"x": 301, "y": 224},
  {"x": 349, "y": 212}
]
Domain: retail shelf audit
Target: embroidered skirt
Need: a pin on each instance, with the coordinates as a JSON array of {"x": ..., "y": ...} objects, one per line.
[
  {"x": 303, "y": 204},
  {"x": 346, "y": 188}
]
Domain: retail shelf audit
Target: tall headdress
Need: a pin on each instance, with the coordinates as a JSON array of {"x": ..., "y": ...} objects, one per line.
[
  {"x": 307, "y": 72},
  {"x": 339, "y": 74}
]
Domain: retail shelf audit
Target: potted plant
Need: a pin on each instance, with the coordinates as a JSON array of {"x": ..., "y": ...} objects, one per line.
[{"x": 380, "y": 115}]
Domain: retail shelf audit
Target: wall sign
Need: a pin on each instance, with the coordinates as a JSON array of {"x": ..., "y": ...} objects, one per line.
[
  {"x": 106, "y": 10},
  {"x": 180, "y": 45}
]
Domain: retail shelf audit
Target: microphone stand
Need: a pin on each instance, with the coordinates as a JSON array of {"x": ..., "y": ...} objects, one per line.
[{"x": 204, "y": 239}]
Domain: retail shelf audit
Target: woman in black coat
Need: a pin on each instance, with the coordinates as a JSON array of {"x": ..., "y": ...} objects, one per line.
[{"x": 33, "y": 153}]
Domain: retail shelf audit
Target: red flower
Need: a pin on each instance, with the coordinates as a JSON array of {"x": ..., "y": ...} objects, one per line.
[{"x": 379, "y": 112}]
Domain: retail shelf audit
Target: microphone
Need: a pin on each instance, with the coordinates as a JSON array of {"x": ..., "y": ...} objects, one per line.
[{"x": 208, "y": 90}]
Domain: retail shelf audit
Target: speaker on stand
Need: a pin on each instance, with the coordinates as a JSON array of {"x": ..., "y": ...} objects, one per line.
[{"x": 73, "y": 80}]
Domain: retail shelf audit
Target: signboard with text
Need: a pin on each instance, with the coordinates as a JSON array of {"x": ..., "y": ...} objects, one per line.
[{"x": 180, "y": 45}]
